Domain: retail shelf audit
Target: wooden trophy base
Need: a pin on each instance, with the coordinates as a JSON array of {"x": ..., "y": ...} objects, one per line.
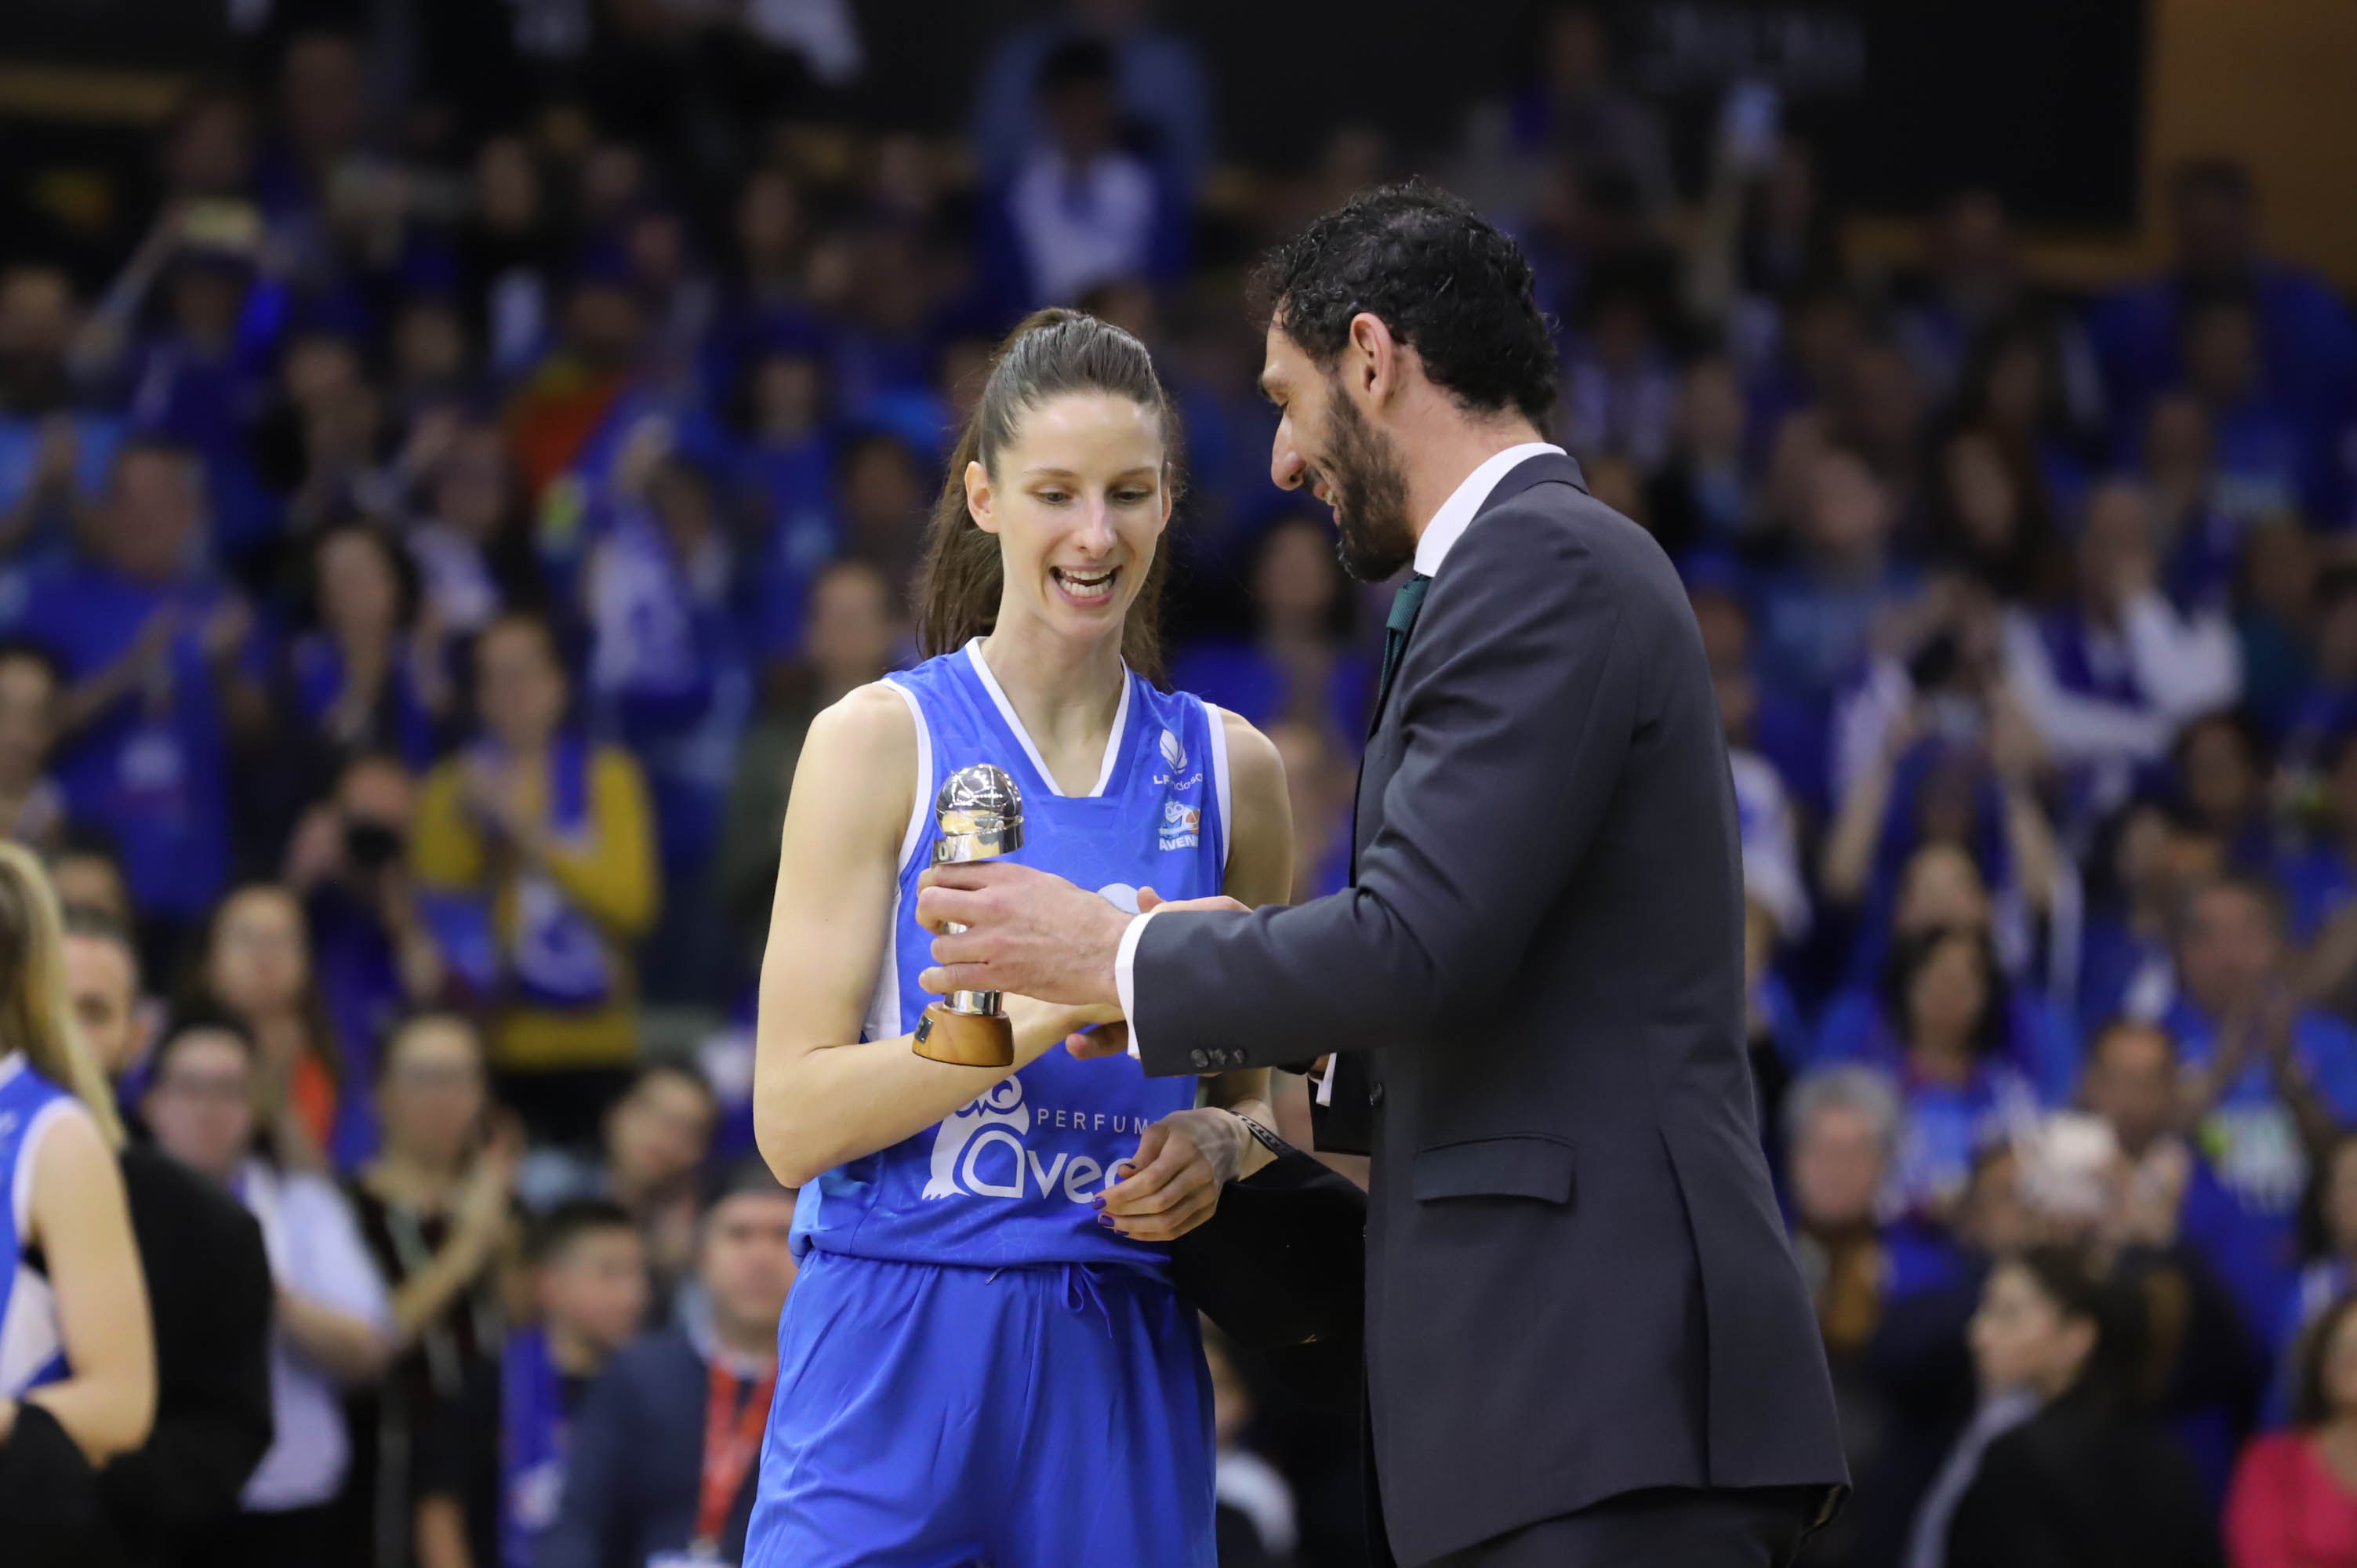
[{"x": 966, "y": 1039}]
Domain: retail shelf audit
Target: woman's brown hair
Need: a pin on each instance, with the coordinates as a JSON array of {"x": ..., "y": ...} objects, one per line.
[
  {"x": 1049, "y": 354},
  {"x": 2312, "y": 1402},
  {"x": 37, "y": 1014}
]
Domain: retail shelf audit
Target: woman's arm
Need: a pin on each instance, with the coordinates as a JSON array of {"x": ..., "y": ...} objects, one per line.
[
  {"x": 331, "y": 1301},
  {"x": 2018, "y": 755},
  {"x": 478, "y": 1230},
  {"x": 441, "y": 1531},
  {"x": 1849, "y": 849},
  {"x": 821, "y": 1096},
  {"x": 82, "y": 1221},
  {"x": 1183, "y": 1160}
]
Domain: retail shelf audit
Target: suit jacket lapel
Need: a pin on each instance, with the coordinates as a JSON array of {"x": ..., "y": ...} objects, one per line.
[{"x": 1542, "y": 469}]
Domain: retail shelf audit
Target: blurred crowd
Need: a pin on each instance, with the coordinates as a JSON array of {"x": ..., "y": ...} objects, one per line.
[{"x": 423, "y": 545}]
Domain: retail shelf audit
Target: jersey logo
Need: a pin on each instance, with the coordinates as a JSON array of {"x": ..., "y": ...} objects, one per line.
[
  {"x": 984, "y": 1150},
  {"x": 1174, "y": 751},
  {"x": 997, "y": 1116},
  {"x": 1181, "y": 825}
]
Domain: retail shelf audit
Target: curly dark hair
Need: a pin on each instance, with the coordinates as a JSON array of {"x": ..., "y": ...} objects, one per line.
[{"x": 1445, "y": 282}]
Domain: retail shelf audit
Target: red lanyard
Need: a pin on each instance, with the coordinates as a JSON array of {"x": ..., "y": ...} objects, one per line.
[{"x": 732, "y": 1439}]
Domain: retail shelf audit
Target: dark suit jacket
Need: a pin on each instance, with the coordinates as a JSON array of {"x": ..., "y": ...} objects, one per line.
[
  {"x": 209, "y": 1294},
  {"x": 2075, "y": 1487},
  {"x": 1578, "y": 1283}
]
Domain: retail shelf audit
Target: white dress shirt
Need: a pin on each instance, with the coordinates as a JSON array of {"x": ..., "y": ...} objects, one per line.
[
  {"x": 316, "y": 1252},
  {"x": 1432, "y": 547}
]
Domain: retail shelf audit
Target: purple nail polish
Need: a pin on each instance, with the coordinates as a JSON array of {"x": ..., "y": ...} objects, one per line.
[{"x": 1105, "y": 1220}]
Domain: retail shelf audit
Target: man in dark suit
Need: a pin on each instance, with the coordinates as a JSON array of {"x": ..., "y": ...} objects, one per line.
[
  {"x": 209, "y": 1293},
  {"x": 1586, "y": 1340}
]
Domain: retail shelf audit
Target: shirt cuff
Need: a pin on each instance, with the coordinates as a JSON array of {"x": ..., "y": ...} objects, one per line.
[{"x": 1125, "y": 973}]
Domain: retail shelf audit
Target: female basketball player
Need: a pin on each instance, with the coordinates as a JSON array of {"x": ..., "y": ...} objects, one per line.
[
  {"x": 982, "y": 1361},
  {"x": 74, "y": 1336}
]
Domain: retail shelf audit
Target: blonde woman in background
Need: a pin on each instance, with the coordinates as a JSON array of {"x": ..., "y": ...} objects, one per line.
[{"x": 75, "y": 1343}]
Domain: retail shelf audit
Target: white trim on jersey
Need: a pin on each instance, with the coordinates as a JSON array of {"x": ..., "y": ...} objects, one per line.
[
  {"x": 884, "y": 1001},
  {"x": 28, "y": 1153},
  {"x": 920, "y": 812},
  {"x": 1220, "y": 780},
  {"x": 1023, "y": 737}
]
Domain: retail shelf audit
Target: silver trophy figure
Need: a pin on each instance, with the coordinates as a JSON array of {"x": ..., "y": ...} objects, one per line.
[{"x": 980, "y": 814}]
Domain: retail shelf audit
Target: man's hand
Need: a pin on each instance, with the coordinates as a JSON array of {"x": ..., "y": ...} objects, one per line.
[
  {"x": 1027, "y": 931},
  {"x": 1174, "y": 1180},
  {"x": 1112, "y": 1039}
]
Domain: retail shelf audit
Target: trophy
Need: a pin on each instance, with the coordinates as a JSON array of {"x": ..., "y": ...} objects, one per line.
[{"x": 980, "y": 813}]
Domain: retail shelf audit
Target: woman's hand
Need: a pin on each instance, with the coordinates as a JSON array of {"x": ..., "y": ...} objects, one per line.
[
  {"x": 480, "y": 1213},
  {"x": 1172, "y": 1184}
]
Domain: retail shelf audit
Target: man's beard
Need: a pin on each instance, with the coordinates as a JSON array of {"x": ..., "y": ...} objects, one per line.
[{"x": 1370, "y": 494}]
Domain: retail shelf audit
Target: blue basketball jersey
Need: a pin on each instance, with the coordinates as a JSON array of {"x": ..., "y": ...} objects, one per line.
[
  {"x": 31, "y": 1352},
  {"x": 1008, "y": 1180}
]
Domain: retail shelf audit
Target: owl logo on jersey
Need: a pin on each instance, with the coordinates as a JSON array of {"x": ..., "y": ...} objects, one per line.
[
  {"x": 966, "y": 1134},
  {"x": 1181, "y": 825}
]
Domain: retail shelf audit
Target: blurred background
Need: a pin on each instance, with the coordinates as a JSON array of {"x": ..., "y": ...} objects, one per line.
[{"x": 387, "y": 386}]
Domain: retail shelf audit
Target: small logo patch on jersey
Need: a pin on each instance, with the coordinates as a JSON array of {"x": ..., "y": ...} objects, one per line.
[
  {"x": 1181, "y": 825},
  {"x": 1174, "y": 751}
]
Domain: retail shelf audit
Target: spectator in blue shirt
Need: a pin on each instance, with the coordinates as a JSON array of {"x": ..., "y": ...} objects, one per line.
[
  {"x": 1817, "y": 617},
  {"x": 1702, "y": 496},
  {"x": 1941, "y": 1031},
  {"x": 2327, "y": 705},
  {"x": 1079, "y": 208},
  {"x": 785, "y": 489},
  {"x": 2223, "y": 778},
  {"x": 2262, "y": 449},
  {"x": 667, "y": 678},
  {"x": 2198, "y": 540},
  {"x": 1163, "y": 89},
  {"x": 472, "y": 543},
  {"x": 54, "y": 456},
  {"x": 2277, "y": 625},
  {"x": 151, "y": 649},
  {"x": 2268, "y": 1080},
  {"x": 364, "y": 680},
  {"x": 2308, "y": 342},
  {"x": 2145, "y": 859},
  {"x": 2108, "y": 677}
]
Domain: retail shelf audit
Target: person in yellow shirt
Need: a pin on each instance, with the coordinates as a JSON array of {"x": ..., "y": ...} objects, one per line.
[{"x": 534, "y": 853}]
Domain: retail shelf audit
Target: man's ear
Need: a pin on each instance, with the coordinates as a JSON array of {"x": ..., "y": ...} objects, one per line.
[{"x": 1371, "y": 358}]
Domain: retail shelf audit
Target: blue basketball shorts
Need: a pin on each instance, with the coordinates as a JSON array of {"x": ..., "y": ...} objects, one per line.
[{"x": 939, "y": 1416}]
